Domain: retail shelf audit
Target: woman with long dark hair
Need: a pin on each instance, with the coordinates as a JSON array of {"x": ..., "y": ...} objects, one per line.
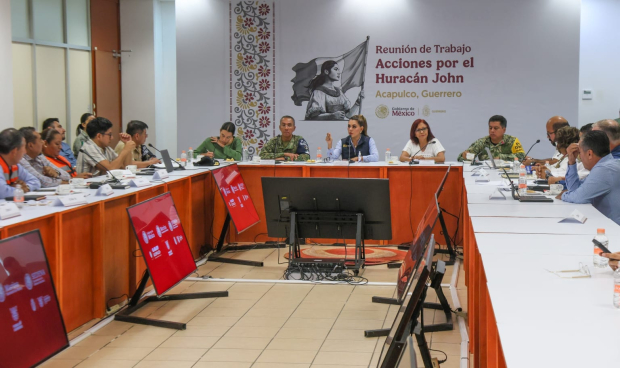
[
  {"x": 422, "y": 144},
  {"x": 328, "y": 102},
  {"x": 357, "y": 144},
  {"x": 80, "y": 133}
]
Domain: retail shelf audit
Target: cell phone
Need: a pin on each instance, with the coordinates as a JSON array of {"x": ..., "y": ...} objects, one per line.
[{"x": 601, "y": 246}]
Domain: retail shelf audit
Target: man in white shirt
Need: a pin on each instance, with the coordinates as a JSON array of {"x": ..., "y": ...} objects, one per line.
[{"x": 553, "y": 125}]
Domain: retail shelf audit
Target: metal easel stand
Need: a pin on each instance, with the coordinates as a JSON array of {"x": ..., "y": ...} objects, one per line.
[
  {"x": 449, "y": 247},
  {"x": 221, "y": 250},
  {"x": 436, "y": 278},
  {"x": 135, "y": 304}
]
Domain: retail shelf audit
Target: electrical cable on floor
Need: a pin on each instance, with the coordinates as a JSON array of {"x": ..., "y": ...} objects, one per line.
[{"x": 444, "y": 354}]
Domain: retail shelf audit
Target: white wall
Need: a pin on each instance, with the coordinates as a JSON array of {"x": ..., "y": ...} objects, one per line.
[
  {"x": 149, "y": 71},
  {"x": 6, "y": 66},
  {"x": 202, "y": 69},
  {"x": 599, "y": 60}
]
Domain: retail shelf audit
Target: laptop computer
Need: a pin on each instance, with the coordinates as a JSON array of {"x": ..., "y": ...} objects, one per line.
[{"x": 165, "y": 157}]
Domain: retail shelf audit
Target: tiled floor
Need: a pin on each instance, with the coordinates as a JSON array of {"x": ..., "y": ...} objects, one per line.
[{"x": 261, "y": 324}]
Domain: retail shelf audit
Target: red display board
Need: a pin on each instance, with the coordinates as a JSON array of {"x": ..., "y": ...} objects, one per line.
[
  {"x": 422, "y": 236},
  {"x": 163, "y": 242},
  {"x": 236, "y": 196},
  {"x": 31, "y": 326}
]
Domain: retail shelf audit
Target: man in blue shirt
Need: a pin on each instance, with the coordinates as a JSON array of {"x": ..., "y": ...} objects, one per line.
[
  {"x": 612, "y": 129},
  {"x": 12, "y": 149},
  {"x": 600, "y": 187},
  {"x": 66, "y": 150}
]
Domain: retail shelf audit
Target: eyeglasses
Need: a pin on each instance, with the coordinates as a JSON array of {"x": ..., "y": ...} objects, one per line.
[
  {"x": 421, "y": 130},
  {"x": 109, "y": 134},
  {"x": 549, "y": 134},
  {"x": 582, "y": 272}
]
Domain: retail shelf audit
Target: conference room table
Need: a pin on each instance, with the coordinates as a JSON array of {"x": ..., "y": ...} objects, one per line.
[
  {"x": 94, "y": 256},
  {"x": 521, "y": 313}
]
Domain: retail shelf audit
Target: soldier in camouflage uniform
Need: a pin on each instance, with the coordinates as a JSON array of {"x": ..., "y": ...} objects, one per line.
[
  {"x": 287, "y": 147},
  {"x": 501, "y": 145}
]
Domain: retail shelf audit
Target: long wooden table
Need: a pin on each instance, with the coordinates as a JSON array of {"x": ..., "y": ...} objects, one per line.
[{"x": 91, "y": 248}]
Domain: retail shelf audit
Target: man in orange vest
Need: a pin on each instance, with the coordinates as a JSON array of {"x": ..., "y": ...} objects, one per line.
[{"x": 12, "y": 149}]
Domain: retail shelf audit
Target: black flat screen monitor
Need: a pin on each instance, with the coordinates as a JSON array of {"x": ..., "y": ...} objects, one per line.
[
  {"x": 416, "y": 250},
  {"x": 443, "y": 182},
  {"x": 336, "y": 195},
  {"x": 395, "y": 343}
]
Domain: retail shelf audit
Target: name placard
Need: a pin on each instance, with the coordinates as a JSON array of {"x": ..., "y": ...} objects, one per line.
[
  {"x": 9, "y": 210},
  {"x": 104, "y": 190},
  {"x": 575, "y": 217},
  {"x": 161, "y": 174},
  {"x": 70, "y": 200},
  {"x": 139, "y": 182}
]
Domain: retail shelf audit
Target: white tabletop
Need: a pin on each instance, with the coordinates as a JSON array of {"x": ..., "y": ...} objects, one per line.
[
  {"x": 532, "y": 210},
  {"x": 540, "y": 244},
  {"x": 518, "y": 225}
]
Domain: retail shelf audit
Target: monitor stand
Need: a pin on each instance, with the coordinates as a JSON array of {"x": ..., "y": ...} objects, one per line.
[
  {"x": 135, "y": 304},
  {"x": 449, "y": 247},
  {"x": 327, "y": 217},
  {"x": 220, "y": 250}
]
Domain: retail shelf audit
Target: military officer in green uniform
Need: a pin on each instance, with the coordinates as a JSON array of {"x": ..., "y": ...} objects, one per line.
[
  {"x": 286, "y": 147},
  {"x": 501, "y": 145}
]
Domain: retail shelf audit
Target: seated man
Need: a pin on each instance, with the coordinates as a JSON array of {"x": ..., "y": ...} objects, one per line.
[
  {"x": 37, "y": 165},
  {"x": 584, "y": 129},
  {"x": 96, "y": 156},
  {"x": 12, "y": 149},
  {"x": 141, "y": 156},
  {"x": 287, "y": 147},
  {"x": 612, "y": 129},
  {"x": 600, "y": 188},
  {"x": 554, "y": 124},
  {"x": 501, "y": 145},
  {"x": 66, "y": 151}
]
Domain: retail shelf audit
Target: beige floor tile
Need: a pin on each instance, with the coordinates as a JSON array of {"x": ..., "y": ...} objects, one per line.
[
  {"x": 286, "y": 356},
  {"x": 302, "y": 333},
  {"x": 350, "y": 324},
  {"x": 365, "y": 306},
  {"x": 263, "y": 275},
  {"x": 295, "y": 288},
  {"x": 150, "y": 331},
  {"x": 113, "y": 328},
  {"x": 384, "y": 291},
  {"x": 231, "y": 355},
  {"x": 213, "y": 321},
  {"x": 351, "y": 346},
  {"x": 252, "y": 331},
  {"x": 121, "y": 353},
  {"x": 189, "y": 342},
  {"x": 267, "y": 303},
  {"x": 363, "y": 315},
  {"x": 261, "y": 322},
  {"x": 172, "y": 354},
  {"x": 450, "y": 337},
  {"x": 92, "y": 363},
  {"x": 333, "y": 366},
  {"x": 310, "y": 322},
  {"x": 77, "y": 352},
  {"x": 313, "y": 313},
  {"x": 233, "y": 303},
  {"x": 181, "y": 287},
  {"x": 449, "y": 349},
  {"x": 348, "y": 335},
  {"x": 202, "y": 331},
  {"x": 342, "y": 358},
  {"x": 164, "y": 364},
  {"x": 222, "y": 312},
  {"x": 145, "y": 311},
  {"x": 252, "y": 343},
  {"x": 360, "y": 298},
  {"x": 321, "y": 306},
  {"x": 61, "y": 363},
  {"x": 271, "y": 312},
  {"x": 95, "y": 341},
  {"x": 280, "y": 365},
  {"x": 138, "y": 341},
  {"x": 206, "y": 286},
  {"x": 295, "y": 344},
  {"x": 251, "y": 287},
  {"x": 222, "y": 365}
]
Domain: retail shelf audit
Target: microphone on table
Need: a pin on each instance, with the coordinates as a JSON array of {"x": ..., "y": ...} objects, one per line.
[
  {"x": 528, "y": 151},
  {"x": 350, "y": 145},
  {"x": 171, "y": 160},
  {"x": 415, "y": 162},
  {"x": 115, "y": 179}
]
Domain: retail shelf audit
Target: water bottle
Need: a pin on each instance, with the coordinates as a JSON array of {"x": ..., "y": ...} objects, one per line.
[
  {"x": 183, "y": 159},
  {"x": 190, "y": 157},
  {"x": 617, "y": 288},
  {"x": 246, "y": 155},
  {"x": 388, "y": 156},
  {"x": 18, "y": 196},
  {"x": 516, "y": 165},
  {"x": 319, "y": 155},
  {"x": 600, "y": 262},
  {"x": 522, "y": 181},
  {"x": 359, "y": 156}
]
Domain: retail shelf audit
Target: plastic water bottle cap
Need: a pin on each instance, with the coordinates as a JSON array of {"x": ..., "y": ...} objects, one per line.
[
  {"x": 191, "y": 149},
  {"x": 318, "y": 148},
  {"x": 182, "y": 151},
  {"x": 600, "y": 231},
  {"x": 523, "y": 166}
]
